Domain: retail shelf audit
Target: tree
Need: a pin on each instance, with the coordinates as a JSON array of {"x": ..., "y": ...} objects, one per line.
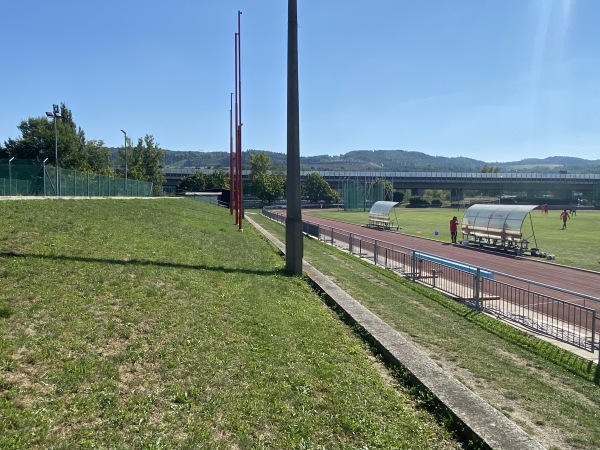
[
  {"x": 37, "y": 142},
  {"x": 195, "y": 182},
  {"x": 198, "y": 182},
  {"x": 259, "y": 163},
  {"x": 145, "y": 163},
  {"x": 268, "y": 187},
  {"x": 316, "y": 189},
  {"x": 98, "y": 157},
  {"x": 219, "y": 179},
  {"x": 490, "y": 169},
  {"x": 265, "y": 183}
]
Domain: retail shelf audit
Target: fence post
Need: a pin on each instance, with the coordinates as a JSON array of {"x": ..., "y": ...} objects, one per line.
[
  {"x": 476, "y": 288},
  {"x": 594, "y": 335},
  {"x": 375, "y": 252},
  {"x": 414, "y": 265},
  {"x": 331, "y": 235},
  {"x": 350, "y": 243}
]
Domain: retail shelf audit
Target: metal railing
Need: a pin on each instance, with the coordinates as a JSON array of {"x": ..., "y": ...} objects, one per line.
[{"x": 538, "y": 307}]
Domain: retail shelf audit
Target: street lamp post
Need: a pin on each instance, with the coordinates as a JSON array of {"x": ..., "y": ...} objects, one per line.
[
  {"x": 44, "y": 174},
  {"x": 125, "y": 162},
  {"x": 10, "y": 176},
  {"x": 54, "y": 114}
]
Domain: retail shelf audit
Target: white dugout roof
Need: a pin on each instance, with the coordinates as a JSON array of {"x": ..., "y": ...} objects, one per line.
[{"x": 495, "y": 221}]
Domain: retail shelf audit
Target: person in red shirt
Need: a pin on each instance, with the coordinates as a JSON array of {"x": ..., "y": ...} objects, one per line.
[
  {"x": 564, "y": 216},
  {"x": 454, "y": 229}
]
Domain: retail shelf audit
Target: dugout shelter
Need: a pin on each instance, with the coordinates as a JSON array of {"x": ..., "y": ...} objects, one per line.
[
  {"x": 379, "y": 216},
  {"x": 503, "y": 227}
]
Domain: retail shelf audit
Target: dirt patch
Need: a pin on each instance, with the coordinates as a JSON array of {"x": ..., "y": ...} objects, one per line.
[{"x": 504, "y": 402}]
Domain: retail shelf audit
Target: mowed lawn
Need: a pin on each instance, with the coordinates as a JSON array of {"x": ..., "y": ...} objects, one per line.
[
  {"x": 577, "y": 246},
  {"x": 156, "y": 324}
]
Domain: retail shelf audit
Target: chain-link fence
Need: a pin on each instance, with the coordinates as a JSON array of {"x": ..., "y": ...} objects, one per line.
[
  {"x": 354, "y": 196},
  {"x": 25, "y": 177}
]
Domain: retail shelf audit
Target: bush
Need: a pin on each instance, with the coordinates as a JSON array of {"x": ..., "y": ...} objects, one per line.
[
  {"x": 398, "y": 196},
  {"x": 418, "y": 202},
  {"x": 436, "y": 203}
]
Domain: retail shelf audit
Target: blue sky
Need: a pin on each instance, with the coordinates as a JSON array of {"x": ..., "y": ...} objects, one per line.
[{"x": 495, "y": 80}]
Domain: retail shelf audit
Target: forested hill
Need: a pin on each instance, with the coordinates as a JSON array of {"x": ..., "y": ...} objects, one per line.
[
  {"x": 388, "y": 160},
  {"x": 398, "y": 160}
]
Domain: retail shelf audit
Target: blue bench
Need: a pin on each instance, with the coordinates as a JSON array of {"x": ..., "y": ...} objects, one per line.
[{"x": 455, "y": 265}]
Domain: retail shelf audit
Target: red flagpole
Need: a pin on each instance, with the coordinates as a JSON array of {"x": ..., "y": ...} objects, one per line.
[
  {"x": 237, "y": 186},
  {"x": 231, "y": 201},
  {"x": 239, "y": 120}
]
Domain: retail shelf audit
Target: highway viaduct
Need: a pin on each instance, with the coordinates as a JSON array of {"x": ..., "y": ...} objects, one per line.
[{"x": 531, "y": 185}]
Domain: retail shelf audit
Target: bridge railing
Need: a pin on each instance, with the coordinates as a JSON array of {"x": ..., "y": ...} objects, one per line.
[{"x": 183, "y": 171}]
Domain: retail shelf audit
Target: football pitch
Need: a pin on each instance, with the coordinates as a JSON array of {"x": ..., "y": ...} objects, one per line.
[{"x": 576, "y": 246}]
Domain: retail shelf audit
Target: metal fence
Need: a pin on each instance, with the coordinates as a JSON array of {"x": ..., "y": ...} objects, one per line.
[
  {"x": 537, "y": 306},
  {"x": 31, "y": 178}
]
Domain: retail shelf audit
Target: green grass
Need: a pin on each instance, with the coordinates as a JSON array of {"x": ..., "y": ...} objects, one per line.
[
  {"x": 156, "y": 324},
  {"x": 577, "y": 246},
  {"x": 551, "y": 393}
]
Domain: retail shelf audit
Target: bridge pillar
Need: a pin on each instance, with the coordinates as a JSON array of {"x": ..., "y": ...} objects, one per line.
[
  {"x": 530, "y": 193},
  {"x": 596, "y": 194},
  {"x": 456, "y": 195}
]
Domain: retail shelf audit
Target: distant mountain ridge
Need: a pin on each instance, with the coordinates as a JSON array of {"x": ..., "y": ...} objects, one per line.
[{"x": 388, "y": 160}]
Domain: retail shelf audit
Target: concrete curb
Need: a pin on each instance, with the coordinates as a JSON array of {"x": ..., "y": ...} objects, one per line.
[{"x": 484, "y": 421}]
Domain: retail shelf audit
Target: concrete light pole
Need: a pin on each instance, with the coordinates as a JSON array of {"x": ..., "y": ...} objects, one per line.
[{"x": 294, "y": 248}]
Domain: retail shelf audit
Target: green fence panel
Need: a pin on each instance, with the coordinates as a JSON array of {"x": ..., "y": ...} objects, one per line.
[{"x": 31, "y": 177}]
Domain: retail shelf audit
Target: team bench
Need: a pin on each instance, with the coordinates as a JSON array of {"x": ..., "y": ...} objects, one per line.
[{"x": 384, "y": 223}]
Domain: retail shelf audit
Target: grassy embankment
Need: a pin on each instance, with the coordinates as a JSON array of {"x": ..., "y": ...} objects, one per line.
[
  {"x": 551, "y": 393},
  {"x": 577, "y": 246},
  {"x": 156, "y": 324}
]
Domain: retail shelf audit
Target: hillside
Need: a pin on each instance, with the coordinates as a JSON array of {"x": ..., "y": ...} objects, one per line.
[{"x": 379, "y": 160}]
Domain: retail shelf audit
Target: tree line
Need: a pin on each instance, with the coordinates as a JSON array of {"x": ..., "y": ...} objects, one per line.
[
  {"x": 267, "y": 182},
  {"x": 75, "y": 152}
]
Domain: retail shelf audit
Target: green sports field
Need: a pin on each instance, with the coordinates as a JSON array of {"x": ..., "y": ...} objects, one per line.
[{"x": 578, "y": 245}]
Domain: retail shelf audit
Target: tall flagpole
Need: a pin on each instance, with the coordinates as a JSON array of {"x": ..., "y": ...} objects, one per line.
[
  {"x": 237, "y": 186},
  {"x": 239, "y": 111},
  {"x": 293, "y": 222},
  {"x": 231, "y": 154}
]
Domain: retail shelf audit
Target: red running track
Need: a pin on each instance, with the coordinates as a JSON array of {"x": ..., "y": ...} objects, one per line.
[{"x": 564, "y": 277}]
